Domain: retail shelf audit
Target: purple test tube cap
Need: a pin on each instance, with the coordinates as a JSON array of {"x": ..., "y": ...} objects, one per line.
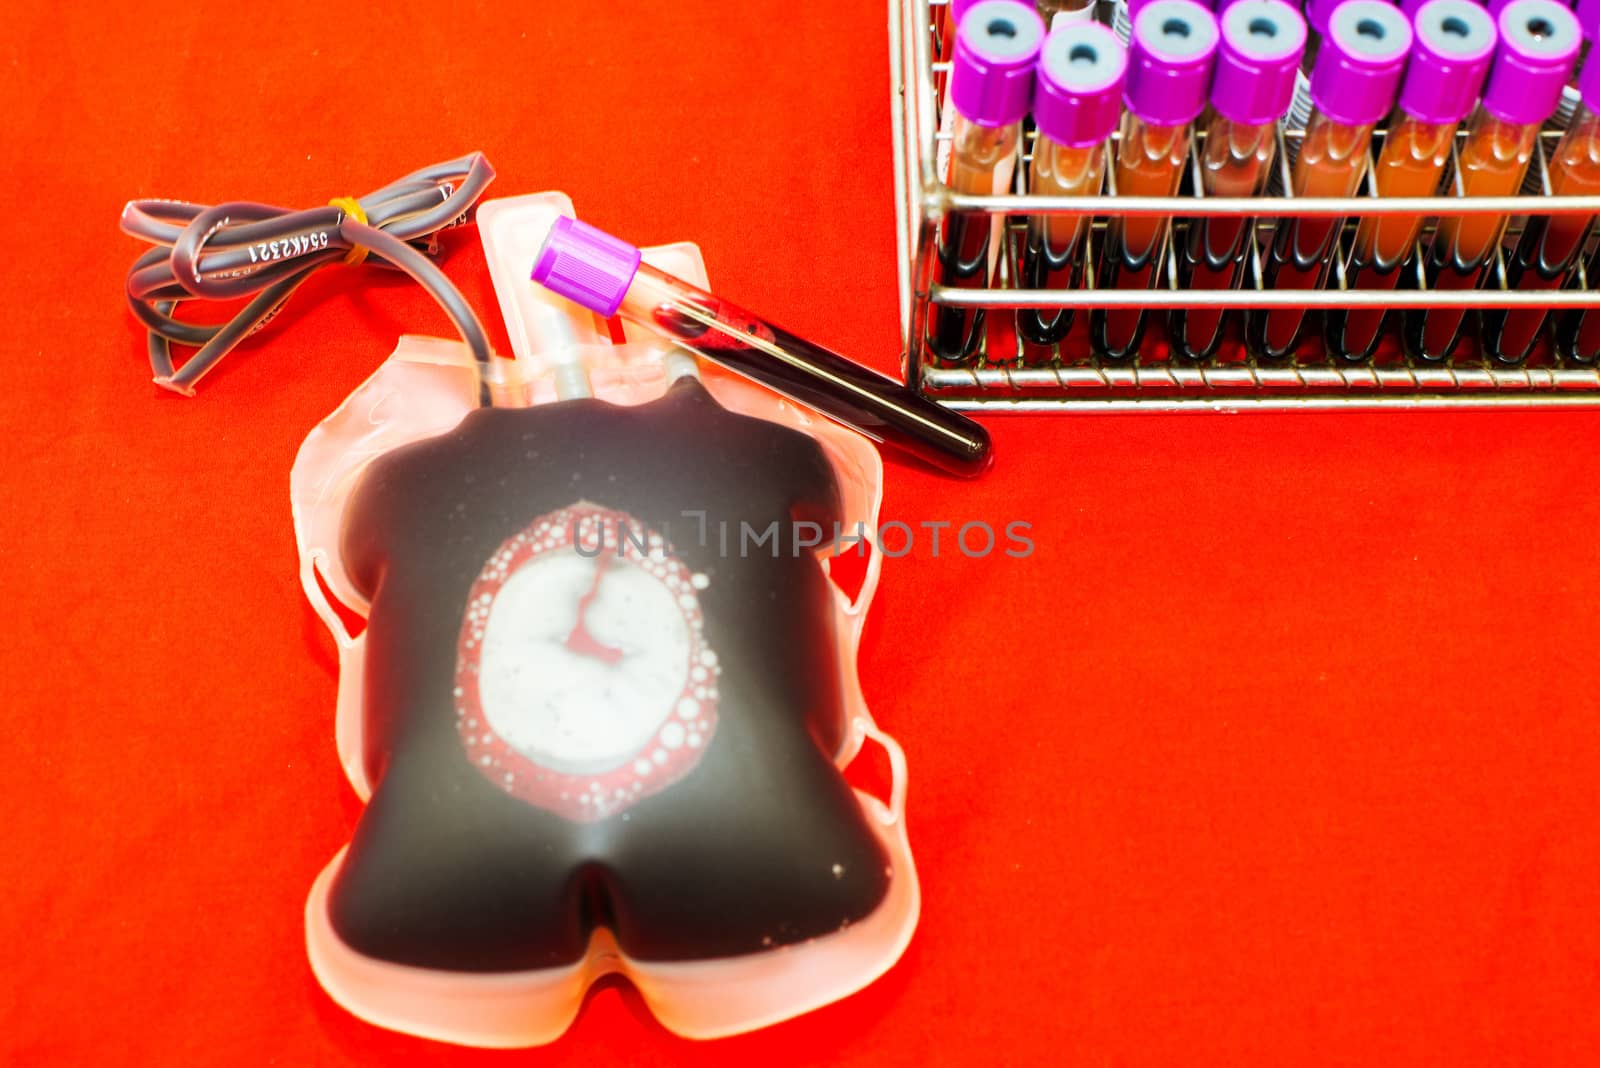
[
  {"x": 1360, "y": 62},
  {"x": 1588, "y": 12},
  {"x": 1136, "y": 6},
  {"x": 957, "y": 9},
  {"x": 1539, "y": 42},
  {"x": 991, "y": 72},
  {"x": 1455, "y": 40},
  {"x": 1170, "y": 57},
  {"x": 1262, "y": 42},
  {"x": 587, "y": 266},
  {"x": 1077, "y": 97}
]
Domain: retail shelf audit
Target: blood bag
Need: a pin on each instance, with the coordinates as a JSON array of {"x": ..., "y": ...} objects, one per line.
[{"x": 605, "y": 688}]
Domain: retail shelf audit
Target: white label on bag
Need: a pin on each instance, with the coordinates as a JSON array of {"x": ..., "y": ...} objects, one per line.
[{"x": 583, "y": 679}]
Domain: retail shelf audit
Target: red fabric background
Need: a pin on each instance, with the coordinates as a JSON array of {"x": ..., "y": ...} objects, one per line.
[{"x": 1281, "y": 748}]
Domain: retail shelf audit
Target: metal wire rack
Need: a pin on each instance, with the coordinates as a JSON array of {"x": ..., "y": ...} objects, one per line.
[{"x": 999, "y": 379}]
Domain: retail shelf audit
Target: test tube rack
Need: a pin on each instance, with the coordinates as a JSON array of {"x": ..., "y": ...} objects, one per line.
[{"x": 1075, "y": 378}]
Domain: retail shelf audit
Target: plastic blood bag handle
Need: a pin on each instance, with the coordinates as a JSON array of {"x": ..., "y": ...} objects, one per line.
[{"x": 896, "y": 809}]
